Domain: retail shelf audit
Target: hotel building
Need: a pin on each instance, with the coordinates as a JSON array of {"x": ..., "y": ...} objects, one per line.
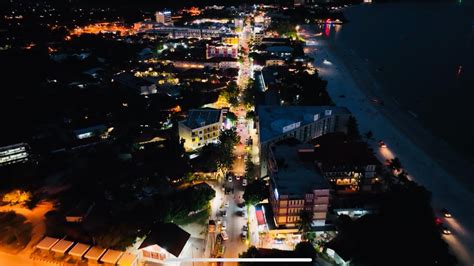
[
  {"x": 304, "y": 123},
  {"x": 295, "y": 185},
  {"x": 201, "y": 128}
]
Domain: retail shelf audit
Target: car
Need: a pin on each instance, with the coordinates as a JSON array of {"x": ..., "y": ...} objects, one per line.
[
  {"x": 245, "y": 228},
  {"x": 226, "y": 204},
  {"x": 244, "y": 235},
  {"x": 219, "y": 221},
  {"x": 382, "y": 144},
  {"x": 444, "y": 230},
  {"x": 224, "y": 213},
  {"x": 224, "y": 226},
  {"x": 244, "y": 182},
  {"x": 224, "y": 235},
  {"x": 239, "y": 157},
  {"x": 237, "y": 177},
  {"x": 229, "y": 179},
  {"x": 446, "y": 213}
]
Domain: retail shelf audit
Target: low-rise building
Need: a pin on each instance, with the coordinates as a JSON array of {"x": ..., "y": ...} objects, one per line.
[
  {"x": 296, "y": 185},
  {"x": 140, "y": 85},
  {"x": 165, "y": 241},
  {"x": 304, "y": 123},
  {"x": 201, "y": 127}
]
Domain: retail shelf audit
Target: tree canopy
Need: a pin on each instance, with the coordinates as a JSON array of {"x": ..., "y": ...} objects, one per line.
[
  {"x": 255, "y": 192},
  {"x": 388, "y": 238}
]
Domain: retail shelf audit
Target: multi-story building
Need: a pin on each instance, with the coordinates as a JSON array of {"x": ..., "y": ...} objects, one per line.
[
  {"x": 201, "y": 127},
  {"x": 295, "y": 185},
  {"x": 164, "y": 17},
  {"x": 304, "y": 123},
  {"x": 180, "y": 32},
  {"x": 349, "y": 166},
  {"x": 226, "y": 51},
  {"x": 15, "y": 153}
]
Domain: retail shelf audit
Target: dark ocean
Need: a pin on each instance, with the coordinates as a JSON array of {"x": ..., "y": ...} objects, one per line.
[{"x": 422, "y": 55}]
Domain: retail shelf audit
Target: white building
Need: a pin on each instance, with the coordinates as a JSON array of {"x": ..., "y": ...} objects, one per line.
[
  {"x": 164, "y": 17},
  {"x": 200, "y": 128},
  {"x": 229, "y": 51}
]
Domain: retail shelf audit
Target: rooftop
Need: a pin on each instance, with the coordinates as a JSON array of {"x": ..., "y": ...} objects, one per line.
[
  {"x": 79, "y": 250},
  {"x": 295, "y": 176},
  {"x": 202, "y": 117},
  {"x": 95, "y": 253},
  {"x": 47, "y": 243},
  {"x": 168, "y": 236},
  {"x": 334, "y": 150},
  {"x": 273, "y": 119},
  {"x": 111, "y": 256},
  {"x": 62, "y": 246}
]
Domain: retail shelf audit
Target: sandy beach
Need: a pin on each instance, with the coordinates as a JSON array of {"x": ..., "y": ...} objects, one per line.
[{"x": 429, "y": 161}]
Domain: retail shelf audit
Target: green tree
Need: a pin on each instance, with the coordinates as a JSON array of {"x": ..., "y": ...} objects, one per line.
[
  {"x": 231, "y": 93},
  {"x": 250, "y": 168},
  {"x": 251, "y": 252},
  {"x": 118, "y": 236},
  {"x": 395, "y": 164},
  {"x": 305, "y": 250},
  {"x": 225, "y": 156},
  {"x": 353, "y": 129},
  {"x": 255, "y": 192},
  {"x": 250, "y": 115},
  {"x": 249, "y": 94},
  {"x": 304, "y": 223},
  {"x": 231, "y": 116}
]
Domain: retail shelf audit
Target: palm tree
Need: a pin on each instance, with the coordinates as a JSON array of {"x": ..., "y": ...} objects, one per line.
[
  {"x": 304, "y": 223},
  {"x": 395, "y": 164}
]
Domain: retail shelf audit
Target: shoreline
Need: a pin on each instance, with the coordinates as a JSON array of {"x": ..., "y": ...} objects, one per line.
[
  {"x": 434, "y": 147},
  {"x": 347, "y": 75}
]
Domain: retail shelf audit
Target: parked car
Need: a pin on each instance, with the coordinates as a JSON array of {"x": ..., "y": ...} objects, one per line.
[
  {"x": 224, "y": 235},
  {"x": 229, "y": 179},
  {"x": 244, "y": 235},
  {"x": 224, "y": 213},
  {"x": 226, "y": 204},
  {"x": 224, "y": 226},
  {"x": 245, "y": 228},
  {"x": 244, "y": 182}
]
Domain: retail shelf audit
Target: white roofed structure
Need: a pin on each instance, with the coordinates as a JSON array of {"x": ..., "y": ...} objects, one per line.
[
  {"x": 62, "y": 246},
  {"x": 47, "y": 243},
  {"x": 95, "y": 253},
  {"x": 111, "y": 256},
  {"x": 79, "y": 250},
  {"x": 128, "y": 259}
]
